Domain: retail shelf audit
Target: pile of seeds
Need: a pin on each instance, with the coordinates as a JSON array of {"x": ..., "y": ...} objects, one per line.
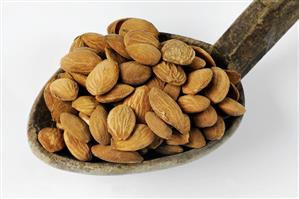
[{"x": 122, "y": 96}]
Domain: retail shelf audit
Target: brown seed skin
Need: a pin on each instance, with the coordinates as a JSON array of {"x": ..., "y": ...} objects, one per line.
[
  {"x": 102, "y": 78},
  {"x": 193, "y": 103},
  {"x": 64, "y": 89},
  {"x": 172, "y": 90},
  {"x": 219, "y": 86},
  {"x": 118, "y": 92},
  {"x": 116, "y": 42},
  {"x": 155, "y": 82},
  {"x": 109, "y": 154},
  {"x": 121, "y": 121},
  {"x": 216, "y": 131},
  {"x": 80, "y": 61},
  {"x": 85, "y": 104},
  {"x": 114, "y": 56},
  {"x": 114, "y": 27},
  {"x": 132, "y": 24},
  {"x": 233, "y": 92},
  {"x": 178, "y": 139},
  {"x": 95, "y": 41},
  {"x": 169, "y": 149},
  {"x": 56, "y": 106},
  {"x": 197, "y": 63},
  {"x": 158, "y": 126},
  {"x": 141, "y": 36},
  {"x": 140, "y": 139},
  {"x": 205, "y": 55},
  {"x": 197, "y": 80},
  {"x": 206, "y": 118},
  {"x": 98, "y": 125},
  {"x": 177, "y": 52},
  {"x": 196, "y": 139},
  {"x": 79, "y": 78},
  {"x": 233, "y": 76},
  {"x": 170, "y": 73},
  {"x": 51, "y": 139},
  {"x": 75, "y": 126},
  {"x": 134, "y": 73},
  {"x": 168, "y": 110},
  {"x": 139, "y": 102},
  {"x": 232, "y": 107},
  {"x": 144, "y": 53},
  {"x": 77, "y": 148}
]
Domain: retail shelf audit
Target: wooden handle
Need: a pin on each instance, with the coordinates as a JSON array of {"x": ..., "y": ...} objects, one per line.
[{"x": 255, "y": 31}]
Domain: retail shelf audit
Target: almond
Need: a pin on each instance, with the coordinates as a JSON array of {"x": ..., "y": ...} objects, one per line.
[
  {"x": 233, "y": 92},
  {"x": 205, "y": 55},
  {"x": 95, "y": 41},
  {"x": 196, "y": 139},
  {"x": 55, "y": 105},
  {"x": 109, "y": 154},
  {"x": 139, "y": 102},
  {"x": 206, "y": 118},
  {"x": 169, "y": 149},
  {"x": 98, "y": 125},
  {"x": 58, "y": 125},
  {"x": 141, "y": 36},
  {"x": 80, "y": 61},
  {"x": 219, "y": 86},
  {"x": 144, "y": 53},
  {"x": 216, "y": 131},
  {"x": 170, "y": 73},
  {"x": 78, "y": 149},
  {"x": 177, "y": 52},
  {"x": 51, "y": 139},
  {"x": 156, "y": 143},
  {"x": 65, "y": 75},
  {"x": 64, "y": 89},
  {"x": 155, "y": 82},
  {"x": 116, "y": 42},
  {"x": 167, "y": 109},
  {"x": 121, "y": 122},
  {"x": 102, "y": 78},
  {"x": 75, "y": 126},
  {"x": 79, "y": 78},
  {"x": 172, "y": 90},
  {"x": 114, "y": 56},
  {"x": 158, "y": 126},
  {"x": 193, "y": 103},
  {"x": 84, "y": 117},
  {"x": 178, "y": 139},
  {"x": 234, "y": 76},
  {"x": 134, "y": 73},
  {"x": 231, "y": 107},
  {"x": 197, "y": 80},
  {"x": 197, "y": 63},
  {"x": 141, "y": 138},
  {"x": 114, "y": 27},
  {"x": 118, "y": 92},
  {"x": 85, "y": 104},
  {"x": 132, "y": 24},
  {"x": 77, "y": 43},
  {"x": 187, "y": 124}
]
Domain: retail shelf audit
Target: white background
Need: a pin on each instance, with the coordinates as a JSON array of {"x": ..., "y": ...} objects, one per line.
[{"x": 259, "y": 160}]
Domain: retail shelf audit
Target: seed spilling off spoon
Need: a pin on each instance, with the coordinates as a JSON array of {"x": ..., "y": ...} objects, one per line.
[{"x": 123, "y": 96}]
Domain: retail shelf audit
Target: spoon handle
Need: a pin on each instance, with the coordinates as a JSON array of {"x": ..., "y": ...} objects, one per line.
[{"x": 255, "y": 31}]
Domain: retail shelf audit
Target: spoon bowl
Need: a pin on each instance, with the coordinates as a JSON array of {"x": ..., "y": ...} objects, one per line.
[{"x": 40, "y": 117}]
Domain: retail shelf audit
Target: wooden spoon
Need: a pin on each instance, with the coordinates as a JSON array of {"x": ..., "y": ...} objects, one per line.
[{"x": 248, "y": 39}]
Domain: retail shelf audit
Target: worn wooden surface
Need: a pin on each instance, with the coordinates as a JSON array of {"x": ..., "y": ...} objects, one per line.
[{"x": 255, "y": 31}]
